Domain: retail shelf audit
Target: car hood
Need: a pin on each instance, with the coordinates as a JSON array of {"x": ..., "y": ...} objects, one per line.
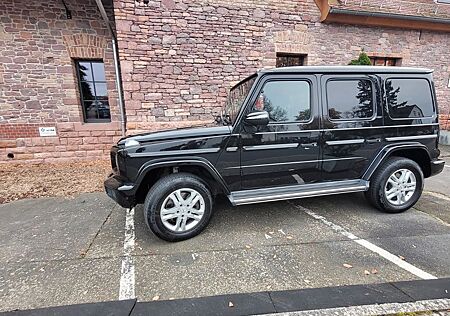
[{"x": 179, "y": 133}]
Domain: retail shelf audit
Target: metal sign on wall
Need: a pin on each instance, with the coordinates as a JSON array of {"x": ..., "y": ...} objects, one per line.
[{"x": 47, "y": 131}]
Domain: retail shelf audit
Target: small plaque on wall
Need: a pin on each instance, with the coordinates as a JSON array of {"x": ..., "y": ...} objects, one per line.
[{"x": 47, "y": 131}]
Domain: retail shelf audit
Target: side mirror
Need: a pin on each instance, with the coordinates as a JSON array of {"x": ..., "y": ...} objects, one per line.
[{"x": 259, "y": 118}]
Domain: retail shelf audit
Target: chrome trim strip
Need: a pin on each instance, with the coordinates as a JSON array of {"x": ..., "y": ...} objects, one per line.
[
  {"x": 360, "y": 186},
  {"x": 344, "y": 142},
  {"x": 343, "y": 158},
  {"x": 393, "y": 139},
  {"x": 294, "y": 162},
  {"x": 274, "y": 146},
  {"x": 316, "y": 185},
  {"x": 287, "y": 132},
  {"x": 347, "y": 128},
  {"x": 175, "y": 152},
  {"x": 278, "y": 163},
  {"x": 383, "y": 126},
  {"x": 230, "y": 149}
]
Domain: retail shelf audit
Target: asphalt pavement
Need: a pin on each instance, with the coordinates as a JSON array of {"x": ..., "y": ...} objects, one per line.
[{"x": 56, "y": 251}]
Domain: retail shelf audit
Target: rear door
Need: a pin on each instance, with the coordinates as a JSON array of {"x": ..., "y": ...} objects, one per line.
[
  {"x": 286, "y": 151},
  {"x": 353, "y": 124}
]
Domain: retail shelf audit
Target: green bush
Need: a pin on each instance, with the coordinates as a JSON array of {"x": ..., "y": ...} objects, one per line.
[{"x": 363, "y": 59}]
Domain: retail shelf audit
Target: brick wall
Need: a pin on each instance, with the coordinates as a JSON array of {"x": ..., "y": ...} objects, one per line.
[
  {"x": 38, "y": 84},
  {"x": 179, "y": 57}
]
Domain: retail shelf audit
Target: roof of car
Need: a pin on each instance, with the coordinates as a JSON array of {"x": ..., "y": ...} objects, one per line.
[{"x": 348, "y": 69}]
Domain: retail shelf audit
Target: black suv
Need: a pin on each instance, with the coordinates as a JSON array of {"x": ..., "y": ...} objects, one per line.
[{"x": 288, "y": 133}]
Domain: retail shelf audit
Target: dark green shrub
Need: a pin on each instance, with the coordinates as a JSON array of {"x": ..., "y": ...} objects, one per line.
[{"x": 363, "y": 59}]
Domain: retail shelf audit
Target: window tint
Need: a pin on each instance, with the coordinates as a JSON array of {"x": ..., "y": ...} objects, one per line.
[
  {"x": 349, "y": 99},
  {"x": 93, "y": 91},
  {"x": 409, "y": 98},
  {"x": 285, "y": 101}
]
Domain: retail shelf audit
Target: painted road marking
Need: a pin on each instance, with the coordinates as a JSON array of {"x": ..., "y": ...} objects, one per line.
[
  {"x": 127, "y": 279},
  {"x": 447, "y": 166},
  {"x": 438, "y": 195},
  {"x": 374, "y": 248},
  {"x": 375, "y": 309}
]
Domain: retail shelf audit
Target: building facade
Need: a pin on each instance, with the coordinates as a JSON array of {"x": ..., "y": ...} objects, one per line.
[{"x": 178, "y": 58}]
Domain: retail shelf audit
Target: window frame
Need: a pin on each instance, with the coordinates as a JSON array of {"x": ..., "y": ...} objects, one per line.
[
  {"x": 398, "y": 60},
  {"x": 283, "y": 54},
  {"x": 374, "y": 100},
  {"x": 409, "y": 118},
  {"x": 273, "y": 79},
  {"x": 80, "y": 91}
]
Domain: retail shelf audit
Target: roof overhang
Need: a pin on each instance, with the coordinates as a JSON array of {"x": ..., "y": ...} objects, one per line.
[{"x": 334, "y": 14}]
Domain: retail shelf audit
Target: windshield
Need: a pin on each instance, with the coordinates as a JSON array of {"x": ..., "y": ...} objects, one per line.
[{"x": 235, "y": 98}]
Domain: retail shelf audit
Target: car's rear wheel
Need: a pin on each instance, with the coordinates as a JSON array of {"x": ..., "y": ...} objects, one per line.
[
  {"x": 396, "y": 186},
  {"x": 178, "y": 207}
]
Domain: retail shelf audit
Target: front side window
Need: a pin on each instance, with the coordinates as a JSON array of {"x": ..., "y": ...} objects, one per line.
[
  {"x": 409, "y": 98},
  {"x": 285, "y": 101},
  {"x": 350, "y": 99},
  {"x": 93, "y": 91}
]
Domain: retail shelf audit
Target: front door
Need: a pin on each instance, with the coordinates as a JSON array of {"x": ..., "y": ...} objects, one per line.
[{"x": 286, "y": 151}]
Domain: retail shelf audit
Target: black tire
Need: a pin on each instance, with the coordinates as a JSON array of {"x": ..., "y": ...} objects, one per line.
[
  {"x": 162, "y": 189},
  {"x": 376, "y": 193}
]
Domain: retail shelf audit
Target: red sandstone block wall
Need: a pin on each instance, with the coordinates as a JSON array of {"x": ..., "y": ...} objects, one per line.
[
  {"x": 179, "y": 58},
  {"x": 38, "y": 85}
]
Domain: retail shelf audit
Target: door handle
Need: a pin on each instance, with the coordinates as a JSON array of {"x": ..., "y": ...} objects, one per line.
[
  {"x": 374, "y": 140},
  {"x": 309, "y": 145}
]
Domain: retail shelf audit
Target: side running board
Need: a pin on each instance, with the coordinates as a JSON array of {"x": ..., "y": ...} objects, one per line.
[{"x": 297, "y": 191}]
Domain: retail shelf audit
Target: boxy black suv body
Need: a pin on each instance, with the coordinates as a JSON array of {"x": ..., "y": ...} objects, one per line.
[{"x": 288, "y": 133}]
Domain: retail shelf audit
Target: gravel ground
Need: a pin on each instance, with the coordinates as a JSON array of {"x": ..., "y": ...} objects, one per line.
[{"x": 25, "y": 180}]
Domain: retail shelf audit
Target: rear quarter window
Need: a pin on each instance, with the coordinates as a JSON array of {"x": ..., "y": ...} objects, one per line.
[{"x": 409, "y": 98}]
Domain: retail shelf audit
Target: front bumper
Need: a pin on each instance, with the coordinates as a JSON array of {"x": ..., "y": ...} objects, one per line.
[
  {"x": 437, "y": 166},
  {"x": 119, "y": 191}
]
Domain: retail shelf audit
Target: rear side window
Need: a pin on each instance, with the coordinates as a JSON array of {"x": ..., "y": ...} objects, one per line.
[
  {"x": 409, "y": 98},
  {"x": 350, "y": 99}
]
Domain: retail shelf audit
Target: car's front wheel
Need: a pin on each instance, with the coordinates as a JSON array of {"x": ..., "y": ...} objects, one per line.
[
  {"x": 178, "y": 207},
  {"x": 396, "y": 186}
]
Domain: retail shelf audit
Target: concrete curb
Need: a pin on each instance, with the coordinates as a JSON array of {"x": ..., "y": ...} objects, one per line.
[
  {"x": 369, "y": 299},
  {"x": 375, "y": 309}
]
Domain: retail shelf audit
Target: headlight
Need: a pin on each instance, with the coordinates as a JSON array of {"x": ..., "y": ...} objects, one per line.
[{"x": 131, "y": 143}]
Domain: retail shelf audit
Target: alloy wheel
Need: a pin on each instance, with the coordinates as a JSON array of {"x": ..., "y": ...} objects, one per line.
[
  {"x": 400, "y": 186},
  {"x": 182, "y": 210}
]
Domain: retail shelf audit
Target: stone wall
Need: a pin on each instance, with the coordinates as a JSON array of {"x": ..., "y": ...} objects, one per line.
[
  {"x": 178, "y": 60},
  {"x": 179, "y": 57},
  {"x": 38, "y": 85}
]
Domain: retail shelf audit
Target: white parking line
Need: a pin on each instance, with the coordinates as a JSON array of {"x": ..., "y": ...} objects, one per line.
[
  {"x": 447, "y": 166},
  {"x": 374, "y": 248},
  {"x": 126, "y": 290}
]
